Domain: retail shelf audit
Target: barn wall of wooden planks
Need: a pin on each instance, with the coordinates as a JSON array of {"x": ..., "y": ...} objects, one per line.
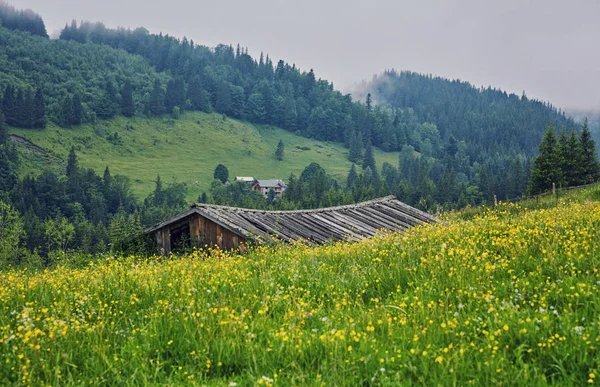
[{"x": 202, "y": 233}]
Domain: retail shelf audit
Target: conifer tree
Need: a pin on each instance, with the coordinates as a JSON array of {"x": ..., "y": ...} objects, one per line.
[
  {"x": 546, "y": 167},
  {"x": 2, "y": 128},
  {"x": 279, "y": 151},
  {"x": 23, "y": 109},
  {"x": 66, "y": 112},
  {"x": 39, "y": 110},
  {"x": 9, "y": 105},
  {"x": 369, "y": 162},
  {"x": 72, "y": 165},
  {"x": 199, "y": 98},
  {"x": 587, "y": 149},
  {"x": 175, "y": 95},
  {"x": 156, "y": 105},
  {"x": 571, "y": 159},
  {"x": 77, "y": 110},
  {"x": 106, "y": 178},
  {"x": 221, "y": 173},
  {"x": 127, "y": 105},
  {"x": 355, "y": 142},
  {"x": 352, "y": 178}
]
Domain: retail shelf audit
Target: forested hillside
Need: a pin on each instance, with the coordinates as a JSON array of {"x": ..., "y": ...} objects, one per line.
[{"x": 483, "y": 136}]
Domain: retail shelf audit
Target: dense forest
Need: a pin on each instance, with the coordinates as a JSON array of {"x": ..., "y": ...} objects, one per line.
[{"x": 458, "y": 145}]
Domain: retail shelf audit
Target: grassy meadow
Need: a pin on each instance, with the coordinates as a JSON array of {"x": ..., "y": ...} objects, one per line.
[
  {"x": 508, "y": 297},
  {"x": 187, "y": 150}
]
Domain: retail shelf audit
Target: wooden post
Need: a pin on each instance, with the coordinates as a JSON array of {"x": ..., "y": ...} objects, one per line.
[
  {"x": 495, "y": 200},
  {"x": 553, "y": 188}
]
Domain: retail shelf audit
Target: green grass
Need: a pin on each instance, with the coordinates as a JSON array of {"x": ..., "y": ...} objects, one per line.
[
  {"x": 187, "y": 150},
  {"x": 507, "y": 298},
  {"x": 547, "y": 200}
]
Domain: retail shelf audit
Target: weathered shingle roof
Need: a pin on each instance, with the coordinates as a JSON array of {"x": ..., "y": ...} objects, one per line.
[
  {"x": 270, "y": 183},
  {"x": 354, "y": 222}
]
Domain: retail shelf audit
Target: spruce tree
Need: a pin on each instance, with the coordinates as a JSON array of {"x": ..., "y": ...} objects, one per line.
[
  {"x": 369, "y": 159},
  {"x": 106, "y": 105},
  {"x": 23, "y": 109},
  {"x": 352, "y": 178},
  {"x": 106, "y": 178},
  {"x": 76, "y": 110},
  {"x": 571, "y": 160},
  {"x": 127, "y": 105},
  {"x": 9, "y": 105},
  {"x": 355, "y": 143},
  {"x": 39, "y": 109},
  {"x": 589, "y": 162},
  {"x": 2, "y": 128},
  {"x": 175, "y": 95},
  {"x": 279, "y": 151},
  {"x": 369, "y": 162},
  {"x": 66, "y": 112},
  {"x": 156, "y": 105},
  {"x": 221, "y": 173},
  {"x": 199, "y": 98},
  {"x": 546, "y": 166},
  {"x": 72, "y": 166}
]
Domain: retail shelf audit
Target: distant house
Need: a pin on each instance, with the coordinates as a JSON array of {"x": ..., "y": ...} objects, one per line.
[
  {"x": 263, "y": 186},
  {"x": 246, "y": 179},
  {"x": 235, "y": 228}
]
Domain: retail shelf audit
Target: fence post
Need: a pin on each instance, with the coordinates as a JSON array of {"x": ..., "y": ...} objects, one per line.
[{"x": 495, "y": 200}]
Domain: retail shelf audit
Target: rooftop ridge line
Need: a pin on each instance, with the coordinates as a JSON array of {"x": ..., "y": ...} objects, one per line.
[{"x": 315, "y": 210}]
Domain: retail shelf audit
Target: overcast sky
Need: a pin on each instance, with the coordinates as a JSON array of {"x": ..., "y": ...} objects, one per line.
[{"x": 549, "y": 48}]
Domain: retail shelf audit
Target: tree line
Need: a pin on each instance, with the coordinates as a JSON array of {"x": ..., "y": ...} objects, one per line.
[
  {"x": 566, "y": 161},
  {"x": 23, "y": 20}
]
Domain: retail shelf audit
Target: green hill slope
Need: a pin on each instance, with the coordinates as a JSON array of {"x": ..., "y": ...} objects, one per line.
[{"x": 187, "y": 149}]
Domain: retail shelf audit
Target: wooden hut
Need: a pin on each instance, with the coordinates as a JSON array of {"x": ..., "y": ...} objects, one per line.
[{"x": 234, "y": 228}]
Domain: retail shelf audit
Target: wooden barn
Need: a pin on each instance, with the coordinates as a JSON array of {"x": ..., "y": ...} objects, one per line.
[{"x": 234, "y": 228}]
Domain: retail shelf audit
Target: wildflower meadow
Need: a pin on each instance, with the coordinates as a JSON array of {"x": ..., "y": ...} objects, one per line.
[{"x": 509, "y": 297}]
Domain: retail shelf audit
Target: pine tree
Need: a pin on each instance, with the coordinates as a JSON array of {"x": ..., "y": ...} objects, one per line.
[
  {"x": 9, "y": 105},
  {"x": 221, "y": 173},
  {"x": 39, "y": 109},
  {"x": 355, "y": 142},
  {"x": 571, "y": 159},
  {"x": 127, "y": 105},
  {"x": 72, "y": 165},
  {"x": 23, "y": 109},
  {"x": 279, "y": 151},
  {"x": 199, "y": 98},
  {"x": 223, "y": 104},
  {"x": 159, "y": 195},
  {"x": 369, "y": 102},
  {"x": 352, "y": 178},
  {"x": 589, "y": 162},
  {"x": 369, "y": 159},
  {"x": 369, "y": 162},
  {"x": 76, "y": 110},
  {"x": 156, "y": 105},
  {"x": 2, "y": 128},
  {"x": 175, "y": 95},
  {"x": 255, "y": 108},
  {"x": 106, "y": 105},
  {"x": 106, "y": 178},
  {"x": 66, "y": 112},
  {"x": 546, "y": 167}
]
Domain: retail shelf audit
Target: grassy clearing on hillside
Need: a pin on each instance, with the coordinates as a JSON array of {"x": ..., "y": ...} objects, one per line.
[
  {"x": 507, "y": 298},
  {"x": 187, "y": 150}
]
